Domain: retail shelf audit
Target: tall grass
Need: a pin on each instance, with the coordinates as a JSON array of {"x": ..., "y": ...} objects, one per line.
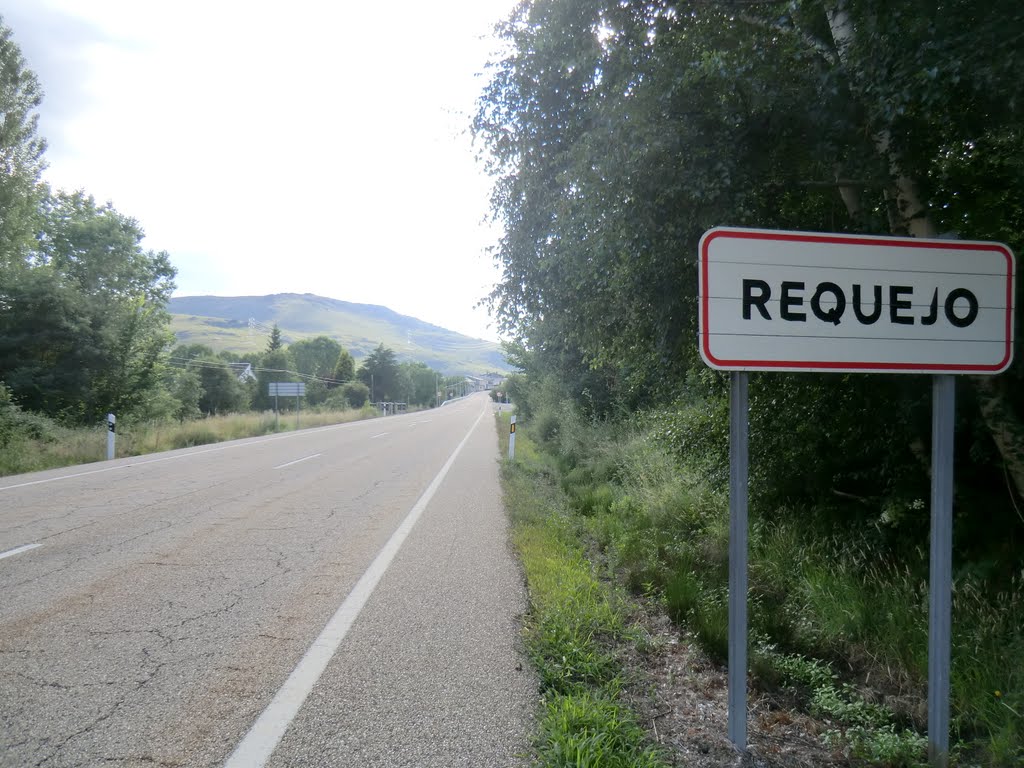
[
  {"x": 842, "y": 599},
  {"x": 61, "y": 446},
  {"x": 575, "y": 629}
]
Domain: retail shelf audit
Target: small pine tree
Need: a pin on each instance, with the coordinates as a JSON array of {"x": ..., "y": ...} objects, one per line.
[{"x": 274, "y": 343}]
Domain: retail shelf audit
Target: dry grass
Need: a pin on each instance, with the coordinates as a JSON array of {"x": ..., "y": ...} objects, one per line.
[{"x": 68, "y": 447}]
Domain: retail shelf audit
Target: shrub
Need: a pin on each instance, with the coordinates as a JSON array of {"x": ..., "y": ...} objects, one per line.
[
  {"x": 355, "y": 393},
  {"x": 17, "y": 424}
]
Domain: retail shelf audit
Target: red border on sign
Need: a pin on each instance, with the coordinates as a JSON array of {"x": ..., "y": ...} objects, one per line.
[{"x": 899, "y": 242}]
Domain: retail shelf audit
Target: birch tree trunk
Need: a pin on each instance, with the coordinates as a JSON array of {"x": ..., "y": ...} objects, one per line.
[
  {"x": 913, "y": 212},
  {"x": 1003, "y": 423}
]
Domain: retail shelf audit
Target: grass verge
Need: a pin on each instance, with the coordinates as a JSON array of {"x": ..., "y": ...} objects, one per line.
[
  {"x": 53, "y": 446},
  {"x": 838, "y": 623},
  {"x": 575, "y": 629}
]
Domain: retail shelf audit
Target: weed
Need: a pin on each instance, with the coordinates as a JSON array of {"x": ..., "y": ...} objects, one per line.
[
  {"x": 592, "y": 730},
  {"x": 573, "y": 630}
]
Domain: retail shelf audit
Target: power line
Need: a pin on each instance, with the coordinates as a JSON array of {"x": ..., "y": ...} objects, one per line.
[{"x": 185, "y": 362}]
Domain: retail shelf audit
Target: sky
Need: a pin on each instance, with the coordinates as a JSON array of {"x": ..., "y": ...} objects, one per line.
[{"x": 302, "y": 147}]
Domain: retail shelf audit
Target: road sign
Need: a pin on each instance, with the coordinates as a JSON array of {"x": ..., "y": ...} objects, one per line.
[
  {"x": 804, "y": 301},
  {"x": 287, "y": 389}
]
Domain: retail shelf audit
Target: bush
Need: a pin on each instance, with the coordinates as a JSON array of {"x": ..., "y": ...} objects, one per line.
[
  {"x": 16, "y": 424},
  {"x": 355, "y": 393},
  {"x": 335, "y": 401}
]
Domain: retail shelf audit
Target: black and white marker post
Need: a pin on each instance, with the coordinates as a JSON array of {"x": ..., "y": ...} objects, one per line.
[
  {"x": 512, "y": 437},
  {"x": 111, "y": 429},
  {"x": 804, "y": 301}
]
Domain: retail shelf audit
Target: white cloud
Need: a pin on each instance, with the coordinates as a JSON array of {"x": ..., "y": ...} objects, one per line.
[{"x": 305, "y": 147}]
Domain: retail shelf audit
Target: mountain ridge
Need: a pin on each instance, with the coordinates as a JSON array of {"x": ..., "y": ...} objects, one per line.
[{"x": 223, "y": 323}]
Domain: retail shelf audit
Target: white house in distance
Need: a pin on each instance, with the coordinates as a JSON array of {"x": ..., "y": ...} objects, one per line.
[
  {"x": 486, "y": 381},
  {"x": 243, "y": 371}
]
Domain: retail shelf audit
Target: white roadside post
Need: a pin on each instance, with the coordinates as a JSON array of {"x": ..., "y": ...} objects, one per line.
[
  {"x": 512, "y": 437},
  {"x": 111, "y": 424},
  {"x": 818, "y": 302}
]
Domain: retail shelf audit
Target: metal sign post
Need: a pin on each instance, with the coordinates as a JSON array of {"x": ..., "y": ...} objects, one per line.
[
  {"x": 806, "y": 301},
  {"x": 940, "y": 576},
  {"x": 738, "y": 471}
]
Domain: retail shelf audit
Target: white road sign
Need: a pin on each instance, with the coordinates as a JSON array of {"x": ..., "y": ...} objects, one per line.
[
  {"x": 804, "y": 301},
  {"x": 286, "y": 389}
]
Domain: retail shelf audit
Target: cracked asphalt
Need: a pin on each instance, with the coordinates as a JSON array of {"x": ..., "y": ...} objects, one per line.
[{"x": 172, "y": 595}]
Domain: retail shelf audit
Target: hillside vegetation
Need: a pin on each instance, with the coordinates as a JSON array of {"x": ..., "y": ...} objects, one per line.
[
  {"x": 222, "y": 323},
  {"x": 618, "y": 133}
]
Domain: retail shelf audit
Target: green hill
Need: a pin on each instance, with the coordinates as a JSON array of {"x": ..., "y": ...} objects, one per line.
[{"x": 223, "y": 323}]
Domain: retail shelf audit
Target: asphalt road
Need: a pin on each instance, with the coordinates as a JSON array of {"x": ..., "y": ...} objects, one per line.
[{"x": 342, "y": 596}]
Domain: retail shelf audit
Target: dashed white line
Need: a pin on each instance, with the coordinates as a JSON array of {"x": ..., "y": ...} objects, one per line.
[
  {"x": 262, "y": 739},
  {"x": 18, "y": 550},
  {"x": 304, "y": 458},
  {"x": 380, "y": 435}
]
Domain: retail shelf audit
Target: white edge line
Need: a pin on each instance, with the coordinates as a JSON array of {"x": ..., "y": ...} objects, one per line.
[
  {"x": 18, "y": 550},
  {"x": 304, "y": 458},
  {"x": 263, "y": 737}
]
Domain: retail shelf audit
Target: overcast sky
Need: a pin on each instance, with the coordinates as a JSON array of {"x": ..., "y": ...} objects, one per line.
[{"x": 297, "y": 147}]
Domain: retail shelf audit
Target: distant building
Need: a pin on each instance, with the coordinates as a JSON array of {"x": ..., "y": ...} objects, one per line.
[
  {"x": 243, "y": 371},
  {"x": 492, "y": 380}
]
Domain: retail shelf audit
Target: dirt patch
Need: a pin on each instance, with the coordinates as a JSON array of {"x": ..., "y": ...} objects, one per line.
[{"x": 681, "y": 697}]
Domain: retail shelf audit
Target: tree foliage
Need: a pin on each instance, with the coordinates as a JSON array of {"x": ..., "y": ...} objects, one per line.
[
  {"x": 274, "y": 342},
  {"x": 356, "y": 393},
  {"x": 344, "y": 367},
  {"x": 379, "y": 371},
  {"x": 316, "y": 357},
  {"x": 86, "y": 324},
  {"x": 618, "y": 132},
  {"x": 83, "y": 321},
  {"x": 419, "y": 383},
  {"x": 21, "y": 155}
]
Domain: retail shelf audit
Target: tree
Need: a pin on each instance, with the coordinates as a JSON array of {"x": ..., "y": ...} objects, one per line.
[
  {"x": 86, "y": 321},
  {"x": 356, "y": 393},
  {"x": 222, "y": 392},
  {"x": 316, "y": 357},
  {"x": 617, "y": 133},
  {"x": 21, "y": 155},
  {"x": 177, "y": 398},
  {"x": 379, "y": 372},
  {"x": 421, "y": 383},
  {"x": 344, "y": 367},
  {"x": 274, "y": 343}
]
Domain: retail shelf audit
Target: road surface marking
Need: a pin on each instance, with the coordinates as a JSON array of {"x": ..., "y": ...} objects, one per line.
[
  {"x": 262, "y": 739},
  {"x": 304, "y": 458},
  {"x": 18, "y": 550},
  {"x": 249, "y": 441},
  {"x": 380, "y": 435}
]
